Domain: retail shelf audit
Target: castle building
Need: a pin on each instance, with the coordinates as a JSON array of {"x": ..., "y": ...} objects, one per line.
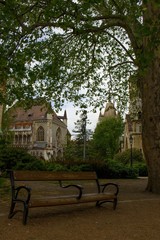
[
  {"x": 133, "y": 125},
  {"x": 133, "y": 121},
  {"x": 39, "y": 130},
  {"x": 109, "y": 111},
  {"x": 133, "y": 133}
]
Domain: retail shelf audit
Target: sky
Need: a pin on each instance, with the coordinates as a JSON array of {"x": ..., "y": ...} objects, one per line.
[{"x": 72, "y": 117}]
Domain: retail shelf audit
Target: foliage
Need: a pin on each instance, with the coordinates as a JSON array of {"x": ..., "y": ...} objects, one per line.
[
  {"x": 16, "y": 158},
  {"x": 56, "y": 167},
  {"x": 76, "y": 48},
  {"x": 73, "y": 151},
  {"x": 106, "y": 136},
  {"x": 19, "y": 159},
  {"x": 125, "y": 157},
  {"x": 2, "y": 180},
  {"x": 80, "y": 127},
  {"x": 142, "y": 169},
  {"x": 110, "y": 169}
]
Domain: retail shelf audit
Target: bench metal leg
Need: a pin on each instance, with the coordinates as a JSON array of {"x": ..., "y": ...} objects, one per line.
[
  {"x": 115, "y": 204},
  {"x": 99, "y": 203},
  {"x": 11, "y": 212},
  {"x": 25, "y": 214}
]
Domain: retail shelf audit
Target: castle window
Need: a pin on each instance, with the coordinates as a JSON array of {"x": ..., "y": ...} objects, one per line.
[
  {"x": 40, "y": 134},
  {"x": 59, "y": 137},
  {"x": 30, "y": 114}
]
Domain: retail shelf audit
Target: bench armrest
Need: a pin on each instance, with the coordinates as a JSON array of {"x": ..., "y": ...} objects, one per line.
[
  {"x": 17, "y": 190},
  {"x": 116, "y": 187},
  {"x": 79, "y": 187}
]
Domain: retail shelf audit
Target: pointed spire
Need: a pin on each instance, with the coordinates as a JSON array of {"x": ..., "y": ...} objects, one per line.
[{"x": 65, "y": 114}]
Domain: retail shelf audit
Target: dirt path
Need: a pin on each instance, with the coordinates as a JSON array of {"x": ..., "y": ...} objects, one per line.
[{"x": 137, "y": 217}]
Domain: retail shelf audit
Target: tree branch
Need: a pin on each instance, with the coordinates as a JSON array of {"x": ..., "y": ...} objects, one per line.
[
  {"x": 119, "y": 64},
  {"x": 122, "y": 46},
  {"x": 3, "y": 2}
]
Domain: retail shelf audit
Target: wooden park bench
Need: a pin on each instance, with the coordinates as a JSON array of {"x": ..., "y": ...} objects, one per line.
[{"x": 65, "y": 181}]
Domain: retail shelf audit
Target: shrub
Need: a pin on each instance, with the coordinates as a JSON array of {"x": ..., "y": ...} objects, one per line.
[
  {"x": 18, "y": 159},
  {"x": 81, "y": 167},
  {"x": 142, "y": 169},
  {"x": 1, "y": 182},
  {"x": 55, "y": 167},
  {"x": 125, "y": 157},
  {"x": 113, "y": 169},
  {"x": 33, "y": 165}
]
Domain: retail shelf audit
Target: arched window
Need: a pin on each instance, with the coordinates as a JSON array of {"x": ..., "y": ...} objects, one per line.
[
  {"x": 58, "y": 137},
  {"x": 40, "y": 134}
]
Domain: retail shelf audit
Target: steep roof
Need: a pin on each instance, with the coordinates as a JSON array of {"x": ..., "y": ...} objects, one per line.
[{"x": 36, "y": 112}]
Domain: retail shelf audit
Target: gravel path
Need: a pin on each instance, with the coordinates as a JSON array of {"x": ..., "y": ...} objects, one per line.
[{"x": 137, "y": 217}]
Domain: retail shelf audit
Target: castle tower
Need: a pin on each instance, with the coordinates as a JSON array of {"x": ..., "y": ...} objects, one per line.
[{"x": 109, "y": 111}]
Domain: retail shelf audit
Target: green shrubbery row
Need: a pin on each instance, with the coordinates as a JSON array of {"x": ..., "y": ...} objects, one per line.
[{"x": 11, "y": 158}]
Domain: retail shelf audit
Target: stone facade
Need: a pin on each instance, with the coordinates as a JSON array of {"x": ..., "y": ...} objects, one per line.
[
  {"x": 40, "y": 131},
  {"x": 133, "y": 121},
  {"x": 133, "y": 129},
  {"x": 109, "y": 111}
]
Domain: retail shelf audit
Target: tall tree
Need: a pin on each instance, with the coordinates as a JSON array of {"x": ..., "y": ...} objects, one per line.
[
  {"x": 82, "y": 132},
  {"x": 75, "y": 48},
  {"x": 106, "y": 136}
]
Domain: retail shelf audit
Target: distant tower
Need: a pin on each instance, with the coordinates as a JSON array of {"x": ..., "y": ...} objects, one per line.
[
  {"x": 65, "y": 117},
  {"x": 109, "y": 111}
]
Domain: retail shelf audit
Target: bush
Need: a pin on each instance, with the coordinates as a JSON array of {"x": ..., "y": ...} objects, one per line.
[
  {"x": 18, "y": 159},
  {"x": 1, "y": 182},
  {"x": 33, "y": 165},
  {"x": 56, "y": 167},
  {"x": 125, "y": 157},
  {"x": 142, "y": 169},
  {"x": 113, "y": 169},
  {"x": 82, "y": 167}
]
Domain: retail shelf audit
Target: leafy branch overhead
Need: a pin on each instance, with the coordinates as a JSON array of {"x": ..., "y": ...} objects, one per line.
[
  {"x": 85, "y": 51},
  {"x": 69, "y": 49}
]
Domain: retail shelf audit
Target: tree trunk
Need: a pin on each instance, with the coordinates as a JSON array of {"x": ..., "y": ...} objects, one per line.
[
  {"x": 150, "y": 89},
  {"x": 1, "y": 114},
  {"x": 151, "y": 124}
]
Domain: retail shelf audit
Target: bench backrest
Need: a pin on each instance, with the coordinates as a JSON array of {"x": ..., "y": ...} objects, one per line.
[{"x": 51, "y": 176}]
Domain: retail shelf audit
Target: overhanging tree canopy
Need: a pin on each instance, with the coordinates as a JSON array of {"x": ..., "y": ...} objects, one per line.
[
  {"x": 89, "y": 48},
  {"x": 64, "y": 50}
]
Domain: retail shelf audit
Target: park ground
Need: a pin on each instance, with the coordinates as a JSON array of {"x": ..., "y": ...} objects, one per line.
[{"x": 137, "y": 217}]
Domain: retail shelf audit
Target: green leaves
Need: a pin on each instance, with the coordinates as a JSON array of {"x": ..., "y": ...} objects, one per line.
[
  {"x": 75, "y": 50},
  {"x": 106, "y": 136}
]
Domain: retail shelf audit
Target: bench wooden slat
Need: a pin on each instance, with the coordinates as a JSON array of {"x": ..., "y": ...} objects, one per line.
[
  {"x": 66, "y": 200},
  {"x": 52, "y": 176}
]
